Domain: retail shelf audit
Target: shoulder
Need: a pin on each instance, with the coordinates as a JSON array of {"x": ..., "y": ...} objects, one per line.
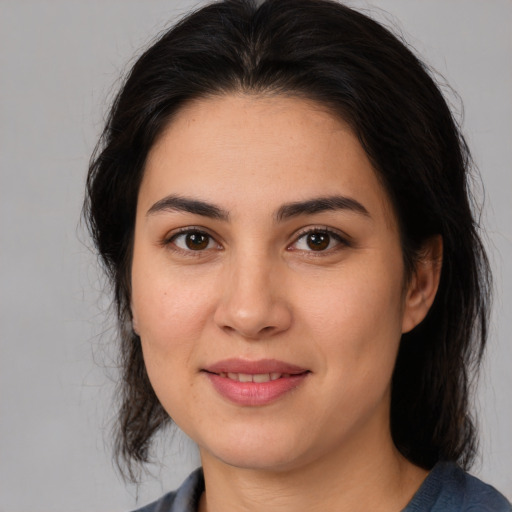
[
  {"x": 448, "y": 488},
  {"x": 483, "y": 497},
  {"x": 184, "y": 499}
]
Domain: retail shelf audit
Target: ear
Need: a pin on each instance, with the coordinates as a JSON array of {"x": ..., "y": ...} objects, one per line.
[{"x": 423, "y": 284}]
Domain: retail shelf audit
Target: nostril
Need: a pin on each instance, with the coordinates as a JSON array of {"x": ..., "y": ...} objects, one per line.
[
  {"x": 251, "y": 315},
  {"x": 250, "y": 334}
]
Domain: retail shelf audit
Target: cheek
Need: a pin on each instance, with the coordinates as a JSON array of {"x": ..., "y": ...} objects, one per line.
[
  {"x": 357, "y": 300},
  {"x": 172, "y": 316},
  {"x": 355, "y": 320},
  {"x": 171, "y": 308},
  {"x": 169, "y": 313}
]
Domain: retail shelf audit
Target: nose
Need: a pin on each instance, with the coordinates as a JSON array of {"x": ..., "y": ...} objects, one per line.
[{"x": 252, "y": 302}]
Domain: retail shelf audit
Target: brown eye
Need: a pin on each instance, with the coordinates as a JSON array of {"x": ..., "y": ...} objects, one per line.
[
  {"x": 318, "y": 241},
  {"x": 193, "y": 241},
  {"x": 197, "y": 241}
]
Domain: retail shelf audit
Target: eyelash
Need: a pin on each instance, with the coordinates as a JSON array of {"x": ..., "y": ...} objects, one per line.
[
  {"x": 170, "y": 241},
  {"x": 341, "y": 241}
]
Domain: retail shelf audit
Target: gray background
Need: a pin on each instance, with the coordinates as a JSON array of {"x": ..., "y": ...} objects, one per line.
[{"x": 60, "y": 61}]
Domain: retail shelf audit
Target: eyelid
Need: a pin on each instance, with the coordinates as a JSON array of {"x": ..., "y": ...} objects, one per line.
[
  {"x": 343, "y": 239},
  {"x": 168, "y": 239}
]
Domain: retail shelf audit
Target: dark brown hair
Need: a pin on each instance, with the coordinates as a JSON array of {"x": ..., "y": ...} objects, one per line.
[{"x": 327, "y": 52}]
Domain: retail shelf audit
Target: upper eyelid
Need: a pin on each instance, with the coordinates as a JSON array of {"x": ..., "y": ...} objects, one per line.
[
  {"x": 168, "y": 242},
  {"x": 343, "y": 241},
  {"x": 188, "y": 229},
  {"x": 340, "y": 235},
  {"x": 321, "y": 229}
]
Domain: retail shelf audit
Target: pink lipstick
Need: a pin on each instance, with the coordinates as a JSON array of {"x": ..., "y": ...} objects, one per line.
[{"x": 254, "y": 383}]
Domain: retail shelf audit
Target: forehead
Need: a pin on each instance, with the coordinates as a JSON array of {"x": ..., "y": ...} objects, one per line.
[{"x": 269, "y": 149}]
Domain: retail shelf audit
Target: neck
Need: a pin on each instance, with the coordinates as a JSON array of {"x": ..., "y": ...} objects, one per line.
[{"x": 359, "y": 478}]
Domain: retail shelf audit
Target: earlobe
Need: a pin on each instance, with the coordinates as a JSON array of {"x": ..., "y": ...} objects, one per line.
[{"x": 423, "y": 284}]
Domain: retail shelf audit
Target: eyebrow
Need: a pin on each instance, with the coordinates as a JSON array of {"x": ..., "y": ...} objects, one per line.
[
  {"x": 320, "y": 204},
  {"x": 174, "y": 203}
]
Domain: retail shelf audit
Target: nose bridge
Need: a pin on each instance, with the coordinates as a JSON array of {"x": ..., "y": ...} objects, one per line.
[{"x": 252, "y": 302}]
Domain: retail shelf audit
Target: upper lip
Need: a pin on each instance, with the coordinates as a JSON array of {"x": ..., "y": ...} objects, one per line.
[{"x": 254, "y": 367}]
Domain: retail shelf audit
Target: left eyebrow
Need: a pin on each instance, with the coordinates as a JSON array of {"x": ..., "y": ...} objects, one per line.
[
  {"x": 318, "y": 205},
  {"x": 174, "y": 203}
]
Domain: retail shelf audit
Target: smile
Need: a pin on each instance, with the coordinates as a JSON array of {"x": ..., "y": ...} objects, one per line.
[
  {"x": 258, "y": 377},
  {"x": 254, "y": 383}
]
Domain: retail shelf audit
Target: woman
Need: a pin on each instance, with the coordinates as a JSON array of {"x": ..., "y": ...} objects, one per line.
[{"x": 280, "y": 200}]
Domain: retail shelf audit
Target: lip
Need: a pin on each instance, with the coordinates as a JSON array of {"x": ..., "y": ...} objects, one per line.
[
  {"x": 254, "y": 393},
  {"x": 254, "y": 367}
]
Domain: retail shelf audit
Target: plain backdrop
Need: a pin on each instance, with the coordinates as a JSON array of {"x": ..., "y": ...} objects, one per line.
[{"x": 60, "y": 63}]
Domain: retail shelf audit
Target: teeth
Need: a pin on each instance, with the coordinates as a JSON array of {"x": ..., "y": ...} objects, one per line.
[
  {"x": 258, "y": 377},
  {"x": 261, "y": 377}
]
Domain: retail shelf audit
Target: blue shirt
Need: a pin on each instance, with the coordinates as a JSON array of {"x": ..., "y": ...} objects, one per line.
[{"x": 447, "y": 488}]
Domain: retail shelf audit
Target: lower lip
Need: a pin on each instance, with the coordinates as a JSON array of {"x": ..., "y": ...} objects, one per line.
[{"x": 255, "y": 393}]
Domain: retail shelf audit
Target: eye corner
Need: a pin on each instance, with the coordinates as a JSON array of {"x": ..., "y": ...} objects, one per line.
[
  {"x": 191, "y": 241},
  {"x": 319, "y": 241}
]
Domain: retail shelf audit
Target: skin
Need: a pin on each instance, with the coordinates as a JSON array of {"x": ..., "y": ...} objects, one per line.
[{"x": 258, "y": 290}]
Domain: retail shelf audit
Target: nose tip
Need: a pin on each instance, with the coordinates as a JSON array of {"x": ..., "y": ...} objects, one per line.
[
  {"x": 252, "y": 307},
  {"x": 254, "y": 323}
]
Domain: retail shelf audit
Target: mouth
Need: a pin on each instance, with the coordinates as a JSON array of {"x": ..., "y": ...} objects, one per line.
[
  {"x": 256, "y": 377},
  {"x": 254, "y": 383},
  {"x": 231, "y": 368}
]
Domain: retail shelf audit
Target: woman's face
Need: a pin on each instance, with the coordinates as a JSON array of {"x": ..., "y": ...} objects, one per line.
[{"x": 268, "y": 283}]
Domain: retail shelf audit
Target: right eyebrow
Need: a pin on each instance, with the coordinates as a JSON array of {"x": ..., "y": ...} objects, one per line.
[
  {"x": 175, "y": 203},
  {"x": 321, "y": 204}
]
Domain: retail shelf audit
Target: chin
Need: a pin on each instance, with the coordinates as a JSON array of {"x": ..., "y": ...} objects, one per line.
[
  {"x": 257, "y": 453},
  {"x": 258, "y": 460}
]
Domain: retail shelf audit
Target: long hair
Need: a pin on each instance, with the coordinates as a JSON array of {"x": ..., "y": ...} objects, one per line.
[{"x": 336, "y": 56}]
